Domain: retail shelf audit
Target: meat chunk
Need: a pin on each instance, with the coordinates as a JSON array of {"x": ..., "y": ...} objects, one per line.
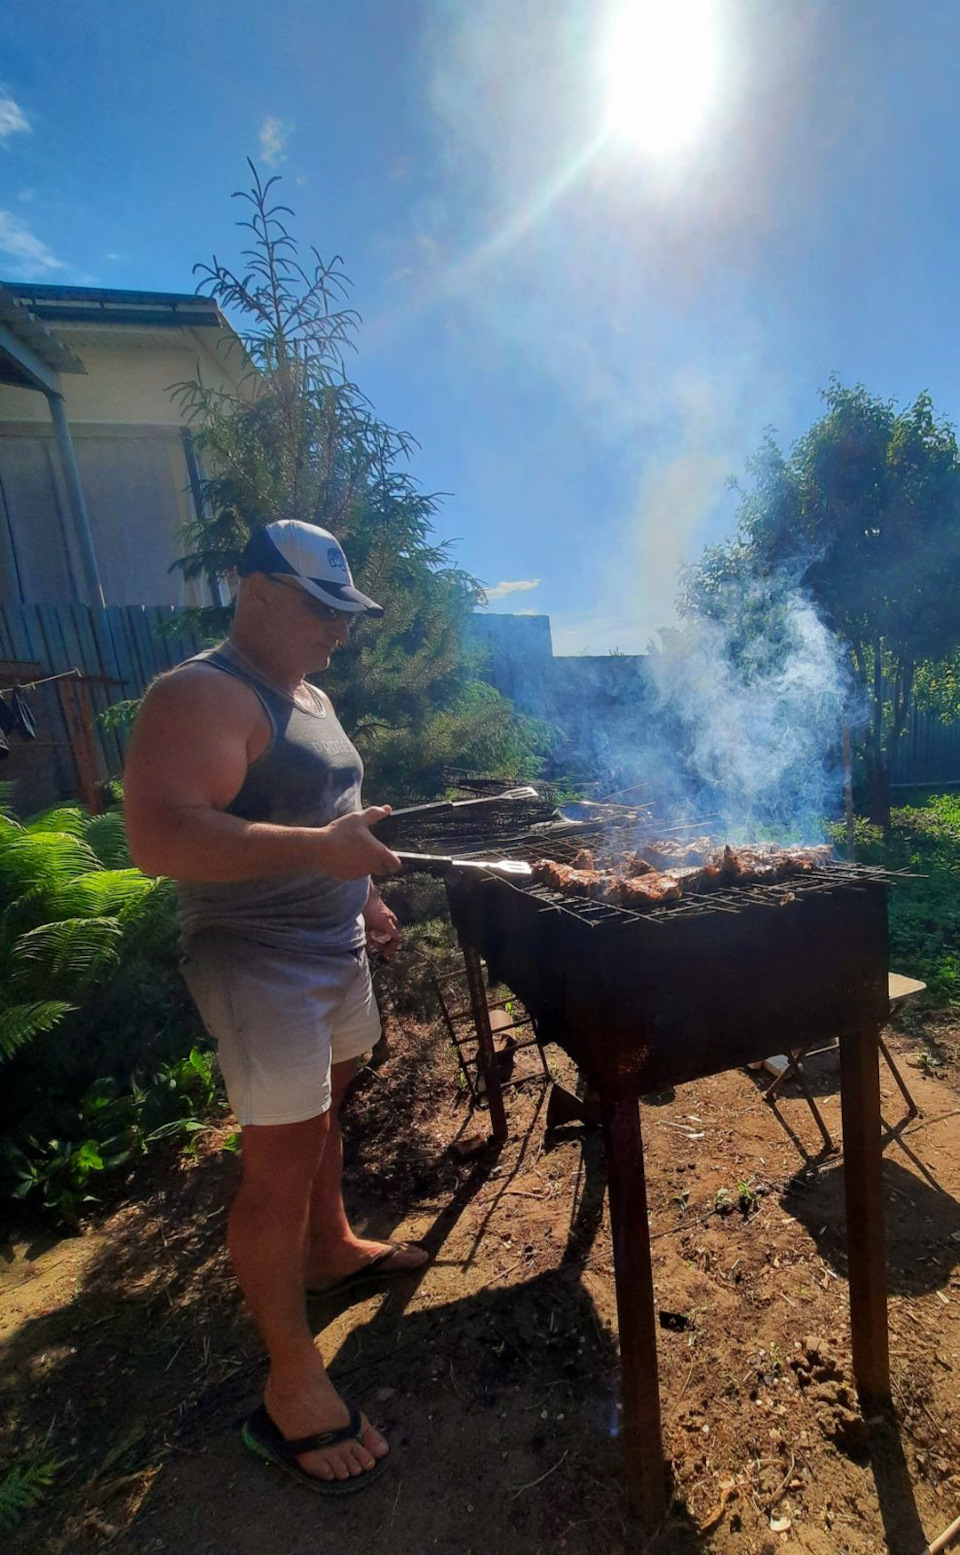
[
  {"x": 636, "y": 864},
  {"x": 564, "y": 877},
  {"x": 632, "y": 880},
  {"x": 644, "y": 891}
]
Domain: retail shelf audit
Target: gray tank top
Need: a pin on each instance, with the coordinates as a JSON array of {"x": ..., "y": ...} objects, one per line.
[{"x": 308, "y": 775}]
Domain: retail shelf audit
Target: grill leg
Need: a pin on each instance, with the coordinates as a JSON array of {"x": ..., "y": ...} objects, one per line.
[
  {"x": 485, "y": 1049},
  {"x": 636, "y": 1313},
  {"x": 863, "y": 1186}
]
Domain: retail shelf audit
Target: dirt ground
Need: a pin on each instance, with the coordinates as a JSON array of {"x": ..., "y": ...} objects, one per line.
[{"x": 494, "y": 1374}]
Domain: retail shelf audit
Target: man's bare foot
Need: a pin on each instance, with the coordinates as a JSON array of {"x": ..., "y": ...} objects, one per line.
[
  {"x": 319, "y": 1407},
  {"x": 335, "y": 1264}
]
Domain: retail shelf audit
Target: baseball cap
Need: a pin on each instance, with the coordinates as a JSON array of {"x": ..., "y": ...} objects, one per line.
[{"x": 313, "y": 557}]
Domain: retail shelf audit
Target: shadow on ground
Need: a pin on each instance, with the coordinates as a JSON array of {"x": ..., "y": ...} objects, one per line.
[{"x": 922, "y": 1224}]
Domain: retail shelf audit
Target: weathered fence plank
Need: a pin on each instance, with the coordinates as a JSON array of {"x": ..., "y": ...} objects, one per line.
[{"x": 128, "y": 645}]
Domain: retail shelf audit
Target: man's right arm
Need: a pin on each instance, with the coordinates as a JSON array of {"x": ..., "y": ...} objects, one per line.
[{"x": 187, "y": 761}]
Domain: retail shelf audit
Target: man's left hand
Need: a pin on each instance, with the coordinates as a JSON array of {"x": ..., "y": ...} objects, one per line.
[{"x": 383, "y": 931}]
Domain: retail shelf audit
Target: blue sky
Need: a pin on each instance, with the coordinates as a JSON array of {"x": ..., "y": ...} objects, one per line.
[{"x": 586, "y": 333}]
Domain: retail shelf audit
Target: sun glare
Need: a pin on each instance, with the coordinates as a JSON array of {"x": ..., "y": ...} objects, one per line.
[{"x": 660, "y": 68}]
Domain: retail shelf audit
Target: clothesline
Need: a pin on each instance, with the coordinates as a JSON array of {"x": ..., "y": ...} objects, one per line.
[
  {"x": 31, "y": 685},
  {"x": 74, "y": 674}
]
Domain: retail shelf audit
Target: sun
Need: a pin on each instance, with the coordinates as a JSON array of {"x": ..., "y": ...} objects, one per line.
[{"x": 660, "y": 66}]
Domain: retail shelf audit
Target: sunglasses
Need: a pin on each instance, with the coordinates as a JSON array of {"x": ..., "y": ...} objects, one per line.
[{"x": 316, "y": 607}]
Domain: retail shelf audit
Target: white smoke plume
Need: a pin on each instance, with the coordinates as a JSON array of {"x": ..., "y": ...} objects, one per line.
[{"x": 758, "y": 729}]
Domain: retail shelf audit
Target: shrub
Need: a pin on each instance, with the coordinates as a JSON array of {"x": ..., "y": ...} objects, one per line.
[{"x": 91, "y": 1003}]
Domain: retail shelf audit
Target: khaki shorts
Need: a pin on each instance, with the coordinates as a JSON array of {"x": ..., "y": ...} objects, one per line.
[{"x": 279, "y": 1021}]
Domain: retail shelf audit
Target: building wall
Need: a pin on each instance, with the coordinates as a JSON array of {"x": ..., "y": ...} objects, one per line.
[
  {"x": 129, "y": 375},
  {"x": 137, "y": 490},
  {"x": 128, "y": 437}
]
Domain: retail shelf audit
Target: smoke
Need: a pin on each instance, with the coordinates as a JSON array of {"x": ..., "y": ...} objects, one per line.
[{"x": 753, "y": 721}]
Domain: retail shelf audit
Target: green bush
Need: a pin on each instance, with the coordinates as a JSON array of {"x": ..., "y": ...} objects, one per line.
[
  {"x": 94, "y": 1017},
  {"x": 923, "y": 839}
]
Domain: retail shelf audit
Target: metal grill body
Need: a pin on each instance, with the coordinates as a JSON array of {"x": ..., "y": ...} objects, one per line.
[
  {"x": 644, "y": 1000},
  {"x": 641, "y": 1001}
]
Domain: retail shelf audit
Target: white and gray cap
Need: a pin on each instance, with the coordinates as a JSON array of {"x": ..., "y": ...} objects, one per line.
[{"x": 312, "y": 557}]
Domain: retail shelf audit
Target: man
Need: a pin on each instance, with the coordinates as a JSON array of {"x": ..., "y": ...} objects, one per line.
[{"x": 242, "y": 786}]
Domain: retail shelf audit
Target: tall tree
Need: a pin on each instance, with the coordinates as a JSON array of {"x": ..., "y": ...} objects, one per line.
[
  {"x": 863, "y": 515},
  {"x": 299, "y": 440}
]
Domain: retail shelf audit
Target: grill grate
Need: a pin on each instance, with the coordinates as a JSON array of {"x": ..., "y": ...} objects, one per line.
[{"x": 730, "y": 899}]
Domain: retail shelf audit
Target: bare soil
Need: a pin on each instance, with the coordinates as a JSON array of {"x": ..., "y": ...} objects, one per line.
[{"x": 494, "y": 1374}]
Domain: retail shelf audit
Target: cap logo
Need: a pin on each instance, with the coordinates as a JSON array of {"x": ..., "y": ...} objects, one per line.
[{"x": 336, "y": 558}]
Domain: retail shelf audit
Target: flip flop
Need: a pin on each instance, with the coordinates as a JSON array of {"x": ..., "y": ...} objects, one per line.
[
  {"x": 265, "y": 1439},
  {"x": 371, "y": 1270}
]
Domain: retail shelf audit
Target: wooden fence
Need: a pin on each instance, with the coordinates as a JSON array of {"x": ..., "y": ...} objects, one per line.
[
  {"x": 927, "y": 754},
  {"x": 122, "y": 648}
]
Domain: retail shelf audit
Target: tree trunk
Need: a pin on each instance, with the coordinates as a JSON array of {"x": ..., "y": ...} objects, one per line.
[{"x": 878, "y": 793}]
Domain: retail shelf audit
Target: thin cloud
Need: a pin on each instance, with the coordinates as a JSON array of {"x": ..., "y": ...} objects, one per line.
[
  {"x": 23, "y": 248},
  {"x": 13, "y": 120},
  {"x": 520, "y": 586},
  {"x": 274, "y": 135}
]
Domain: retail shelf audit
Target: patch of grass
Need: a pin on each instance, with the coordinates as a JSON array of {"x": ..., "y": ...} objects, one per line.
[{"x": 924, "y": 912}]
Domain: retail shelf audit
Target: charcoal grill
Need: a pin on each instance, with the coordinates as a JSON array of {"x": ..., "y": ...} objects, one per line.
[{"x": 642, "y": 1000}]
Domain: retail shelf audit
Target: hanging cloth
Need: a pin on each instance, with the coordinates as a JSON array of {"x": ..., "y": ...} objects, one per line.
[
  {"x": 24, "y": 722},
  {"x": 7, "y": 720}
]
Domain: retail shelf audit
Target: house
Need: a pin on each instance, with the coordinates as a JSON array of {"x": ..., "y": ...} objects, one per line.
[{"x": 97, "y": 466}]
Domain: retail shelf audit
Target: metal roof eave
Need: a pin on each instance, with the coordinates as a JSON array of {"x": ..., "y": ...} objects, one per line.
[
  {"x": 36, "y": 355},
  {"x": 108, "y": 306}
]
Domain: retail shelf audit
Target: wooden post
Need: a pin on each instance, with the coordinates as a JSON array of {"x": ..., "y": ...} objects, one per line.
[
  {"x": 76, "y": 705},
  {"x": 485, "y": 1049},
  {"x": 863, "y": 1185},
  {"x": 848, "y": 815},
  {"x": 636, "y": 1312}
]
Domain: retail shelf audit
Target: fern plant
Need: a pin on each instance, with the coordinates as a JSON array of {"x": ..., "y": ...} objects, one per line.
[
  {"x": 60, "y": 916},
  {"x": 90, "y": 1001},
  {"x": 22, "y": 1487}
]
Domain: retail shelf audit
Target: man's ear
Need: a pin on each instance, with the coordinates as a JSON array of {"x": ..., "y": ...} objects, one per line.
[{"x": 256, "y": 585}]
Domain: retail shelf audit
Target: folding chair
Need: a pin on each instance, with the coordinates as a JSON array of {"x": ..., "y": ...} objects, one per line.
[{"x": 788, "y": 1066}]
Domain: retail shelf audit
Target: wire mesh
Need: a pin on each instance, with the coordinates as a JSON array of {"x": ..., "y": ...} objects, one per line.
[{"x": 728, "y": 899}]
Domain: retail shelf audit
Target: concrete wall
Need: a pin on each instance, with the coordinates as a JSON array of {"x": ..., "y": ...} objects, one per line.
[{"x": 596, "y": 705}]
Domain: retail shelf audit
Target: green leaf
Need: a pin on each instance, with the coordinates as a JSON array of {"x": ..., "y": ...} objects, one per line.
[
  {"x": 107, "y": 836},
  {"x": 69, "y": 820},
  {"x": 66, "y": 955},
  {"x": 109, "y": 891},
  {"x": 20, "y": 1023},
  {"x": 22, "y": 1488},
  {"x": 88, "y": 1157}
]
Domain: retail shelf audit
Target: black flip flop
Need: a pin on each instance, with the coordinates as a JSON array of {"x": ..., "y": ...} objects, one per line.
[
  {"x": 265, "y": 1439},
  {"x": 371, "y": 1270}
]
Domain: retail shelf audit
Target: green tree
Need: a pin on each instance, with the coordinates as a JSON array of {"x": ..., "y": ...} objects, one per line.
[
  {"x": 863, "y": 515},
  {"x": 299, "y": 440}
]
